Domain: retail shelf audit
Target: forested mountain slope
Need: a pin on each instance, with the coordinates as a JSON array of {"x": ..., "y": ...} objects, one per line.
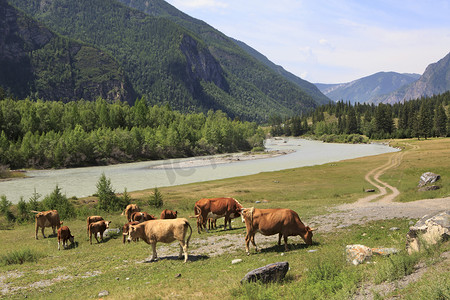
[
  {"x": 36, "y": 62},
  {"x": 168, "y": 63}
]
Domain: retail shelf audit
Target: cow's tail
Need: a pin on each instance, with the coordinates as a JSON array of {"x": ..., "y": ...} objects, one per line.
[
  {"x": 190, "y": 233},
  {"x": 34, "y": 211},
  {"x": 196, "y": 212}
]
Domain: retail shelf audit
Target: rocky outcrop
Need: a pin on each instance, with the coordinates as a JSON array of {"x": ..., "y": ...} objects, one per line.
[
  {"x": 429, "y": 230},
  {"x": 34, "y": 61},
  {"x": 270, "y": 273}
]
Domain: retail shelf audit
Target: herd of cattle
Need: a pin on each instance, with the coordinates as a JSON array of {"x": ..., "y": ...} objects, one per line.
[{"x": 168, "y": 228}]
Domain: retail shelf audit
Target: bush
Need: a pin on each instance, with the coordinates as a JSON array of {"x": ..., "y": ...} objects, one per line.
[
  {"x": 4, "y": 208},
  {"x": 58, "y": 201},
  {"x": 107, "y": 199},
  {"x": 156, "y": 200},
  {"x": 19, "y": 257}
]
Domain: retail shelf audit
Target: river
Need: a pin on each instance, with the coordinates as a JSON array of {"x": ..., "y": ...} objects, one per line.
[{"x": 81, "y": 182}]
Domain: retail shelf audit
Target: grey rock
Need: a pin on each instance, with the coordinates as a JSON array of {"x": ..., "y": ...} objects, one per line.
[
  {"x": 357, "y": 254},
  {"x": 430, "y": 229},
  {"x": 270, "y": 273},
  {"x": 394, "y": 228},
  {"x": 103, "y": 293},
  {"x": 236, "y": 261},
  {"x": 428, "y": 178}
]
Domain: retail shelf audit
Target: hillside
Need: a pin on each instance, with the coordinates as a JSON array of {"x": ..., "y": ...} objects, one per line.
[
  {"x": 435, "y": 80},
  {"x": 168, "y": 63},
  {"x": 367, "y": 88},
  {"x": 34, "y": 61}
]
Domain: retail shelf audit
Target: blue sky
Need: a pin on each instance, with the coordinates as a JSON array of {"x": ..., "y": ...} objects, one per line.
[{"x": 334, "y": 41}]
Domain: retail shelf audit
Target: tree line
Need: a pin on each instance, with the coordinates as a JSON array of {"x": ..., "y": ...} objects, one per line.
[
  {"x": 50, "y": 134},
  {"x": 421, "y": 118}
]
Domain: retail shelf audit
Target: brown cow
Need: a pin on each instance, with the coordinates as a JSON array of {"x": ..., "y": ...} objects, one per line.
[
  {"x": 98, "y": 227},
  {"x": 64, "y": 236},
  {"x": 126, "y": 229},
  {"x": 92, "y": 219},
  {"x": 141, "y": 217},
  {"x": 164, "y": 231},
  {"x": 216, "y": 208},
  {"x": 48, "y": 218},
  {"x": 168, "y": 214},
  {"x": 271, "y": 221},
  {"x": 129, "y": 210}
]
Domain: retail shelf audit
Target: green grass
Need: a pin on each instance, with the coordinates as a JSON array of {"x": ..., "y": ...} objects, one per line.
[{"x": 82, "y": 272}]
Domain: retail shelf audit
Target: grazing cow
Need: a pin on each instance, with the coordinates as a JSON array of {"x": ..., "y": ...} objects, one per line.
[
  {"x": 98, "y": 227},
  {"x": 129, "y": 210},
  {"x": 92, "y": 219},
  {"x": 64, "y": 235},
  {"x": 168, "y": 214},
  {"x": 141, "y": 217},
  {"x": 271, "y": 221},
  {"x": 126, "y": 229},
  {"x": 164, "y": 231},
  {"x": 215, "y": 208},
  {"x": 48, "y": 218}
]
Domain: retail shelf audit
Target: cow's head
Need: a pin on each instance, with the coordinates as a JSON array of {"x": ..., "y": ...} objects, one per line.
[
  {"x": 71, "y": 239},
  {"x": 247, "y": 214},
  {"x": 132, "y": 234},
  {"x": 308, "y": 235},
  {"x": 107, "y": 223}
]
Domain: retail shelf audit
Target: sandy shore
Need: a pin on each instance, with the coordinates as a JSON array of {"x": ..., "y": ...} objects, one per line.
[{"x": 220, "y": 159}]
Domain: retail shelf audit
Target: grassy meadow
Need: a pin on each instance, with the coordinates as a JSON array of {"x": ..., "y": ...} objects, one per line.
[{"x": 82, "y": 272}]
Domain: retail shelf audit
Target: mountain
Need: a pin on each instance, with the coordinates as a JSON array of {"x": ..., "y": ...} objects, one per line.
[
  {"x": 34, "y": 61},
  {"x": 172, "y": 58},
  {"x": 435, "y": 80},
  {"x": 219, "y": 43},
  {"x": 367, "y": 88}
]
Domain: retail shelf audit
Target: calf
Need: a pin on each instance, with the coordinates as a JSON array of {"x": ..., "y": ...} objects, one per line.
[
  {"x": 168, "y": 214},
  {"x": 164, "y": 231},
  {"x": 281, "y": 221},
  {"x": 64, "y": 235},
  {"x": 141, "y": 217},
  {"x": 98, "y": 227},
  {"x": 126, "y": 229},
  {"x": 92, "y": 219}
]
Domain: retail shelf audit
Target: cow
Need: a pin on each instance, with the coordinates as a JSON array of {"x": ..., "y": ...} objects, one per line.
[
  {"x": 129, "y": 210},
  {"x": 164, "y": 231},
  {"x": 168, "y": 214},
  {"x": 64, "y": 235},
  {"x": 98, "y": 227},
  {"x": 285, "y": 222},
  {"x": 212, "y": 223},
  {"x": 92, "y": 219},
  {"x": 216, "y": 208},
  {"x": 48, "y": 218},
  {"x": 126, "y": 229},
  {"x": 141, "y": 217}
]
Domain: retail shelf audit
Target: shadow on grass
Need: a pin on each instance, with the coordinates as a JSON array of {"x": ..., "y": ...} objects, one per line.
[
  {"x": 191, "y": 258},
  {"x": 291, "y": 247}
]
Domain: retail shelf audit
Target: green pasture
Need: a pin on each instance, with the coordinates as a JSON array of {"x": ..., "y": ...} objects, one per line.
[{"x": 83, "y": 271}]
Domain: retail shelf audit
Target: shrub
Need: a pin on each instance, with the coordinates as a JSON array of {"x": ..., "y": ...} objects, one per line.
[
  {"x": 156, "y": 200},
  {"x": 19, "y": 257},
  {"x": 4, "y": 208},
  {"x": 58, "y": 201}
]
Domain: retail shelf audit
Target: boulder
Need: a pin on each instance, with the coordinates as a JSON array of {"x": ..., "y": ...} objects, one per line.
[
  {"x": 428, "y": 178},
  {"x": 357, "y": 254},
  {"x": 270, "y": 273},
  {"x": 430, "y": 229}
]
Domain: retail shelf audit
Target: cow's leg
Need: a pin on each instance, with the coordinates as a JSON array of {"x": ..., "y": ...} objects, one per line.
[
  {"x": 229, "y": 222},
  {"x": 54, "y": 230},
  {"x": 37, "y": 228},
  {"x": 247, "y": 242},
  {"x": 59, "y": 241},
  {"x": 183, "y": 249},
  {"x": 95, "y": 235},
  {"x": 279, "y": 238},
  {"x": 285, "y": 243},
  {"x": 43, "y": 232},
  {"x": 254, "y": 244},
  {"x": 154, "y": 254}
]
